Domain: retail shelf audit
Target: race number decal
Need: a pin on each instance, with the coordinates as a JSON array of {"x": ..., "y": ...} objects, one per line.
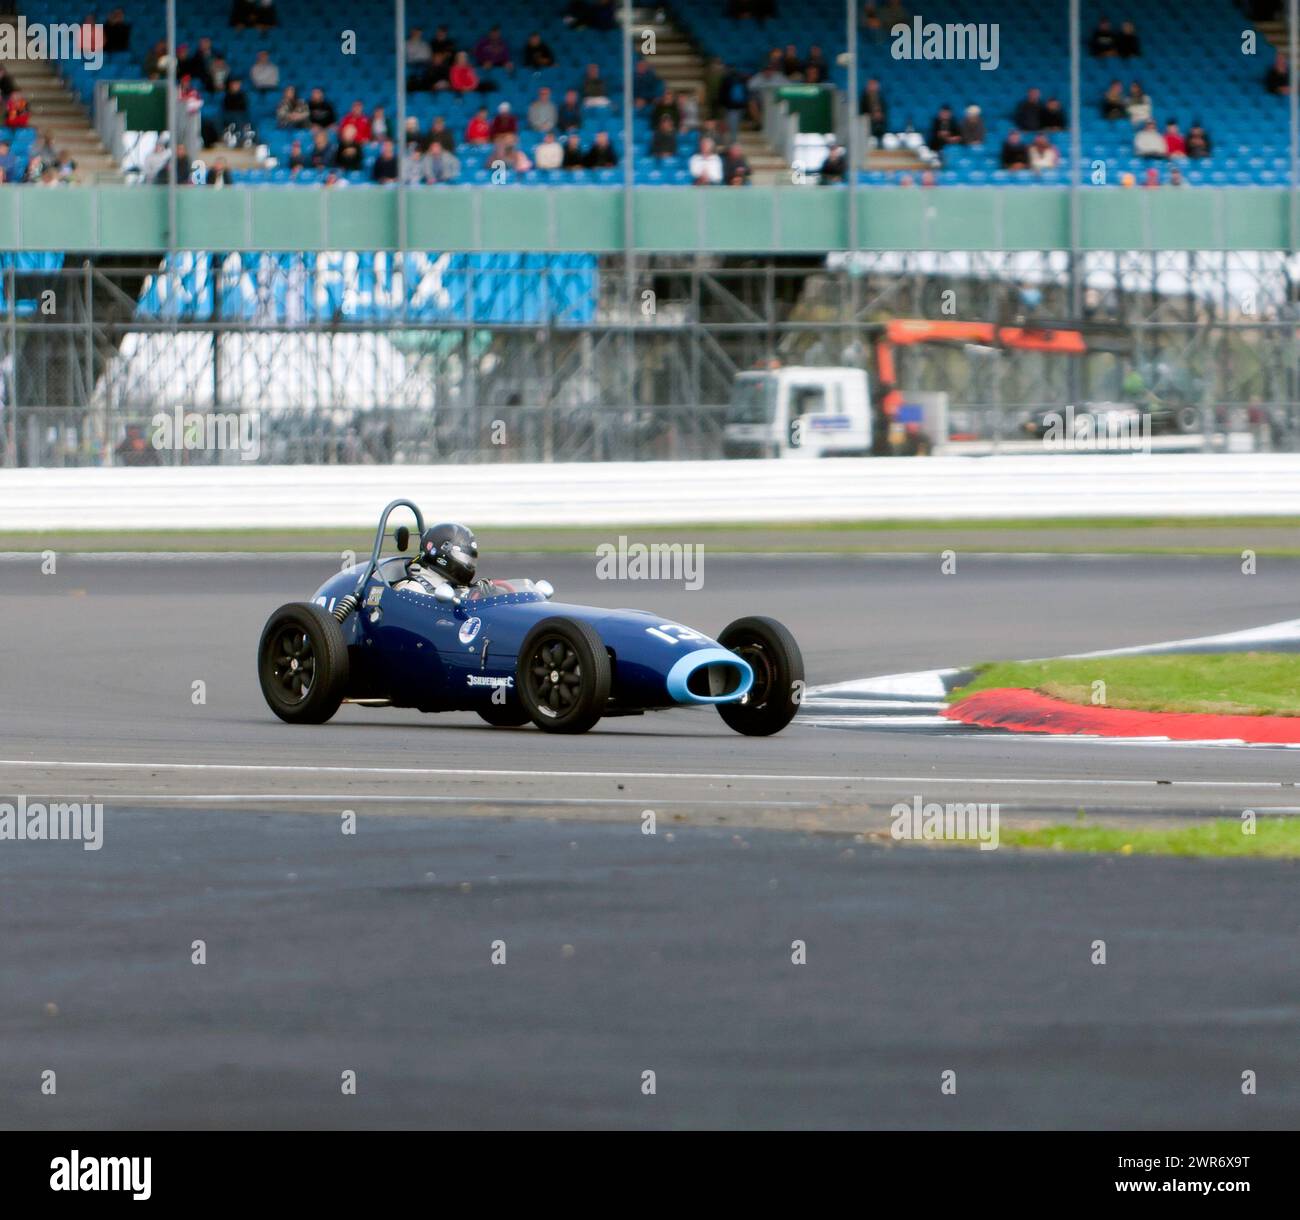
[{"x": 671, "y": 633}]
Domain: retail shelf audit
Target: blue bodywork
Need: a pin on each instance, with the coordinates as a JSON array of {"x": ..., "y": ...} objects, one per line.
[{"x": 414, "y": 650}]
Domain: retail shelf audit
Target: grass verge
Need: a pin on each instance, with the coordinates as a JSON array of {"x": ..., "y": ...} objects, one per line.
[
  {"x": 1225, "y": 684},
  {"x": 1274, "y": 839}
]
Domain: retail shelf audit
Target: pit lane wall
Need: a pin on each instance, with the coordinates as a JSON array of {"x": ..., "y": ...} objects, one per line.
[{"x": 652, "y": 493}]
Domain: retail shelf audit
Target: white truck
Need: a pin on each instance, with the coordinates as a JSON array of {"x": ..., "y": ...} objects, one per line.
[{"x": 799, "y": 412}]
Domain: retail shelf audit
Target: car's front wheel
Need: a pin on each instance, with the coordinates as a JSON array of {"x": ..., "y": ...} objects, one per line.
[
  {"x": 302, "y": 664},
  {"x": 773, "y": 655},
  {"x": 563, "y": 675}
]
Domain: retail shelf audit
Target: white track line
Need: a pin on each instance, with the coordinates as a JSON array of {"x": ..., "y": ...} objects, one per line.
[{"x": 659, "y": 775}]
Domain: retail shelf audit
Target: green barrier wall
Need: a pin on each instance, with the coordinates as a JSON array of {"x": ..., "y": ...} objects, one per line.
[{"x": 758, "y": 220}]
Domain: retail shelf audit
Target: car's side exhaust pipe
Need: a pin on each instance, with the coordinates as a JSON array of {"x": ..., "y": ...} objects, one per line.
[{"x": 709, "y": 675}]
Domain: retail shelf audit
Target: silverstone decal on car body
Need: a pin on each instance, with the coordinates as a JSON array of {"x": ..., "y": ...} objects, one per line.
[{"x": 483, "y": 680}]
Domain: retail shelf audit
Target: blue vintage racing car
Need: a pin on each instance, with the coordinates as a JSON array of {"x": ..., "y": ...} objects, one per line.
[{"x": 508, "y": 652}]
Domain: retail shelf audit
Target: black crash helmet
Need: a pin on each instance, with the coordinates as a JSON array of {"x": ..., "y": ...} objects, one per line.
[{"x": 452, "y": 550}]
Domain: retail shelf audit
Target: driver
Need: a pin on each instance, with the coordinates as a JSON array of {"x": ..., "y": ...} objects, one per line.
[{"x": 448, "y": 556}]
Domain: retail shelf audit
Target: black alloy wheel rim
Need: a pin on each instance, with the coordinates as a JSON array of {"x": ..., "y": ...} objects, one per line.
[
  {"x": 293, "y": 664},
  {"x": 555, "y": 675},
  {"x": 760, "y": 689}
]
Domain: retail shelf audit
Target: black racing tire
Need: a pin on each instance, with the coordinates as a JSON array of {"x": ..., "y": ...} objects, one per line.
[
  {"x": 777, "y": 663},
  {"x": 563, "y": 675},
  {"x": 508, "y": 715},
  {"x": 302, "y": 664}
]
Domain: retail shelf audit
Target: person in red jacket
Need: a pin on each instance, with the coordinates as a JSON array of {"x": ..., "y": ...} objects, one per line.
[
  {"x": 17, "y": 113},
  {"x": 1174, "y": 142},
  {"x": 479, "y": 130},
  {"x": 463, "y": 77},
  {"x": 505, "y": 123},
  {"x": 356, "y": 118}
]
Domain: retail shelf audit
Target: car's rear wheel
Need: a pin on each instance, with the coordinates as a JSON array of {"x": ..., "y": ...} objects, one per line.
[
  {"x": 302, "y": 664},
  {"x": 773, "y": 655},
  {"x": 563, "y": 675},
  {"x": 508, "y": 715}
]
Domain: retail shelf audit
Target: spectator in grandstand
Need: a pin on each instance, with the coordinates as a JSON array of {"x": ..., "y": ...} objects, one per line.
[
  {"x": 155, "y": 63},
  {"x": 594, "y": 90},
  {"x": 511, "y": 158},
  {"x": 349, "y": 155},
  {"x": 972, "y": 126},
  {"x": 814, "y": 74},
  {"x": 218, "y": 173},
  {"x": 664, "y": 141},
  {"x": 379, "y": 124},
  {"x": 1176, "y": 176},
  {"x": 944, "y": 130},
  {"x": 735, "y": 169},
  {"x": 791, "y": 64},
  {"x": 504, "y": 123},
  {"x": 1028, "y": 114},
  {"x": 646, "y": 85},
  {"x": 1151, "y": 178},
  {"x": 264, "y": 74},
  {"x": 1149, "y": 142},
  {"x": 442, "y": 41},
  {"x": 573, "y": 154},
  {"x": 437, "y": 75},
  {"x": 836, "y": 166},
  {"x": 197, "y": 63},
  {"x": 356, "y": 119},
  {"x": 491, "y": 51},
  {"x": 1175, "y": 145},
  {"x": 1127, "y": 42},
  {"x": 601, "y": 154},
  {"x": 1054, "y": 116},
  {"x": 732, "y": 98},
  {"x": 706, "y": 166},
  {"x": 1114, "y": 105},
  {"x": 542, "y": 114},
  {"x": 319, "y": 157},
  {"x": 41, "y": 156},
  {"x": 537, "y": 55},
  {"x": 1278, "y": 78},
  {"x": 1014, "y": 153},
  {"x": 872, "y": 104},
  {"x": 50, "y": 177},
  {"x": 384, "y": 170},
  {"x": 549, "y": 154},
  {"x": 1043, "y": 154},
  {"x": 1139, "y": 104},
  {"x": 90, "y": 38},
  {"x": 871, "y": 23},
  {"x": 234, "y": 103},
  {"x": 441, "y": 164},
  {"x": 1103, "y": 44},
  {"x": 816, "y": 59},
  {"x": 463, "y": 78},
  {"x": 243, "y": 14},
  {"x": 17, "y": 112},
  {"x": 184, "y": 168},
  {"x": 418, "y": 53},
  {"x": 218, "y": 73},
  {"x": 666, "y": 107},
  {"x": 320, "y": 112},
  {"x": 297, "y": 158},
  {"x": 689, "y": 108},
  {"x": 479, "y": 130},
  {"x": 117, "y": 33},
  {"x": 332, "y": 180},
  {"x": 928, "y": 179},
  {"x": 570, "y": 112},
  {"x": 442, "y": 136},
  {"x": 8, "y": 162},
  {"x": 292, "y": 110},
  {"x": 1198, "y": 142}
]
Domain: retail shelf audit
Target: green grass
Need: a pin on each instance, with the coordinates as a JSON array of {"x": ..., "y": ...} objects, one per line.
[
  {"x": 1277, "y": 536},
  {"x": 1234, "y": 683},
  {"x": 1274, "y": 838}
]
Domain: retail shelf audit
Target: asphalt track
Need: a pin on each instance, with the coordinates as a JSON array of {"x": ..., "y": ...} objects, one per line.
[{"x": 626, "y": 952}]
